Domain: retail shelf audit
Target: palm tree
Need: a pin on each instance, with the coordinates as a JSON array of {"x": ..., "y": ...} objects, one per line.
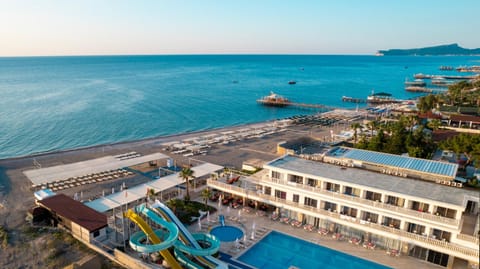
[
  {"x": 174, "y": 204},
  {"x": 186, "y": 174},
  {"x": 150, "y": 193},
  {"x": 206, "y": 193},
  {"x": 373, "y": 126},
  {"x": 355, "y": 127}
]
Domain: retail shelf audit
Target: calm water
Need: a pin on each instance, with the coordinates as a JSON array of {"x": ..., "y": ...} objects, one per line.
[
  {"x": 52, "y": 103},
  {"x": 280, "y": 251}
]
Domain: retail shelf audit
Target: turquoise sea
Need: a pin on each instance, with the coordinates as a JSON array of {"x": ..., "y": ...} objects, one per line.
[{"x": 55, "y": 103}]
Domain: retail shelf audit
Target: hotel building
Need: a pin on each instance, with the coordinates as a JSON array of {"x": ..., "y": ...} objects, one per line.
[{"x": 393, "y": 201}]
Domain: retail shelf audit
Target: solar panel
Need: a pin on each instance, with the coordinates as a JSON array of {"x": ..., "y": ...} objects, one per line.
[{"x": 410, "y": 163}]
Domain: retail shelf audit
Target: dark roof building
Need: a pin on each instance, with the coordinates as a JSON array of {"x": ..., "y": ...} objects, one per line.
[{"x": 81, "y": 220}]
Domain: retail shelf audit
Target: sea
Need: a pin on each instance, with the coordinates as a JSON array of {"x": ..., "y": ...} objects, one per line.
[{"x": 58, "y": 103}]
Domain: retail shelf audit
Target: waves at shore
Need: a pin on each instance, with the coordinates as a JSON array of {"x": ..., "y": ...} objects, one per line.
[{"x": 59, "y": 103}]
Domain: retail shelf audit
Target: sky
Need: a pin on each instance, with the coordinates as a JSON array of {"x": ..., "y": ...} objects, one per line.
[{"x": 116, "y": 27}]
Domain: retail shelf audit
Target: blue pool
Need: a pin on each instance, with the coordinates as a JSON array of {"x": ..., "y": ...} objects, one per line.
[
  {"x": 227, "y": 233},
  {"x": 280, "y": 251}
]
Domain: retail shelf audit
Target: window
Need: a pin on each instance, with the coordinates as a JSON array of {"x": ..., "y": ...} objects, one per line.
[
  {"x": 310, "y": 202},
  {"x": 373, "y": 196},
  {"x": 268, "y": 190},
  {"x": 96, "y": 233},
  {"x": 296, "y": 179},
  {"x": 333, "y": 187},
  {"x": 296, "y": 198},
  {"x": 312, "y": 182},
  {"x": 276, "y": 175},
  {"x": 280, "y": 194},
  {"x": 330, "y": 206}
]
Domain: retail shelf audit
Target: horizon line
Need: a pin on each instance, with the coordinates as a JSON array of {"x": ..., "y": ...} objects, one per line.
[{"x": 188, "y": 54}]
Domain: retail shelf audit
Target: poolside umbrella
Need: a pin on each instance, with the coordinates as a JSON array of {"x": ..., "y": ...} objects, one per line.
[
  {"x": 253, "y": 225},
  {"x": 239, "y": 213},
  {"x": 228, "y": 210},
  {"x": 245, "y": 238},
  {"x": 253, "y": 235},
  {"x": 208, "y": 216},
  {"x": 199, "y": 224},
  {"x": 103, "y": 193}
]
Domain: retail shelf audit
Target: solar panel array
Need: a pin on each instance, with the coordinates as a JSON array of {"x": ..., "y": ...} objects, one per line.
[{"x": 422, "y": 165}]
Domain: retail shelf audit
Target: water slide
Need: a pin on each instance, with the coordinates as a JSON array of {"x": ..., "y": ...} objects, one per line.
[
  {"x": 189, "y": 242},
  {"x": 157, "y": 244}
]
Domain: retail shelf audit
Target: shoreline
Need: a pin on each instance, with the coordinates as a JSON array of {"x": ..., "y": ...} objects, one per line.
[{"x": 140, "y": 141}]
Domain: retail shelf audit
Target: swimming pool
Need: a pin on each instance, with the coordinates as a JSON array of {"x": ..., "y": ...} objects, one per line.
[
  {"x": 281, "y": 251},
  {"x": 227, "y": 233}
]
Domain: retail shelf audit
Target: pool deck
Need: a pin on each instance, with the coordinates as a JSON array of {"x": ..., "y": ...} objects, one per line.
[{"x": 263, "y": 225}]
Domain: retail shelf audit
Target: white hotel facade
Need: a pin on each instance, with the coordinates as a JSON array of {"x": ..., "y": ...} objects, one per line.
[{"x": 429, "y": 221}]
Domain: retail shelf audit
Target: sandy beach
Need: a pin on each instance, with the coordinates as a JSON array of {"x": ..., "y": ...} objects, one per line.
[{"x": 16, "y": 196}]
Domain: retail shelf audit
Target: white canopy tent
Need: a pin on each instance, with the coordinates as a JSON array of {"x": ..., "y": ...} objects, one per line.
[
  {"x": 78, "y": 169},
  {"x": 136, "y": 193}
]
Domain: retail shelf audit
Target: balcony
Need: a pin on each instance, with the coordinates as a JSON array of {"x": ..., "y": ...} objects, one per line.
[
  {"x": 401, "y": 210},
  {"x": 466, "y": 252}
]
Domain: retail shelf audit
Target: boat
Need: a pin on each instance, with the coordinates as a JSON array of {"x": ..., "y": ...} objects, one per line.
[
  {"x": 292, "y": 82},
  {"x": 446, "y": 68},
  {"x": 381, "y": 98},
  {"x": 274, "y": 100}
]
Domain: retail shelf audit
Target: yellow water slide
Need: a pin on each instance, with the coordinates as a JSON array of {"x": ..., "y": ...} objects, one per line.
[{"x": 153, "y": 238}]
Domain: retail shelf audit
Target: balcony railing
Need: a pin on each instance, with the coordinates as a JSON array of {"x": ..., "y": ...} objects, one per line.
[
  {"x": 469, "y": 238},
  {"x": 398, "y": 209},
  {"x": 252, "y": 194}
]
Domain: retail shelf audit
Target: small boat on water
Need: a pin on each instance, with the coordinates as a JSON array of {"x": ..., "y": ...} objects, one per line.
[
  {"x": 274, "y": 100},
  {"x": 416, "y": 83},
  {"x": 292, "y": 82}
]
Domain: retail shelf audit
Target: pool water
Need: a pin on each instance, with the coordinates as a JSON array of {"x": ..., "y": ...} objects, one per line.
[
  {"x": 280, "y": 251},
  {"x": 227, "y": 233}
]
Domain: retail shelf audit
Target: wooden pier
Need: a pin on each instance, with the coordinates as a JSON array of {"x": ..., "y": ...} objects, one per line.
[
  {"x": 423, "y": 76},
  {"x": 293, "y": 104},
  {"x": 424, "y": 89},
  {"x": 353, "y": 100}
]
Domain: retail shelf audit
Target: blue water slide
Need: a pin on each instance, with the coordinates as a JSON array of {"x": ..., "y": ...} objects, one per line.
[
  {"x": 191, "y": 239},
  {"x": 139, "y": 236},
  {"x": 186, "y": 261}
]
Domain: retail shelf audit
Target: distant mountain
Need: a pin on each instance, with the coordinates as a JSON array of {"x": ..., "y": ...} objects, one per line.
[{"x": 452, "y": 49}]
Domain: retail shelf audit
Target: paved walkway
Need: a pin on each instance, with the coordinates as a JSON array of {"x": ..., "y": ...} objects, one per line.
[{"x": 263, "y": 224}]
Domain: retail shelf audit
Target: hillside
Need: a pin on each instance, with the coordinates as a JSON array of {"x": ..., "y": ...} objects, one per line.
[{"x": 452, "y": 49}]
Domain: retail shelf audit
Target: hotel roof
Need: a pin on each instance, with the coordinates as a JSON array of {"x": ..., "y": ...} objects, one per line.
[
  {"x": 64, "y": 171},
  {"x": 75, "y": 211},
  {"x": 406, "y": 186},
  {"x": 397, "y": 161}
]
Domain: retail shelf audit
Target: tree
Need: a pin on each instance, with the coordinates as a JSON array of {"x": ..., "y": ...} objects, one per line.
[
  {"x": 186, "y": 174},
  {"x": 355, "y": 126},
  {"x": 434, "y": 124},
  {"x": 150, "y": 193},
  {"x": 174, "y": 204},
  {"x": 206, "y": 193}
]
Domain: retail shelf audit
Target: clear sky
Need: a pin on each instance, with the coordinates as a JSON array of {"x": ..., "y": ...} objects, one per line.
[{"x": 103, "y": 27}]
